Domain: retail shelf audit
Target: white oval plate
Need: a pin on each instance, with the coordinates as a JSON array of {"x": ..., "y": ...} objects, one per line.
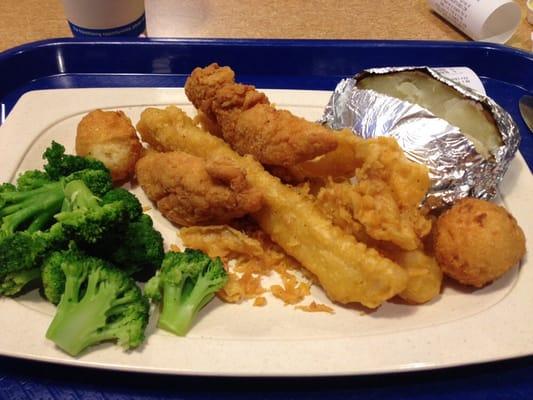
[{"x": 459, "y": 327}]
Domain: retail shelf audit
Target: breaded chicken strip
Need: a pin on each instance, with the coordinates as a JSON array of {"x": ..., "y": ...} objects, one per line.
[
  {"x": 189, "y": 190},
  {"x": 250, "y": 124},
  {"x": 110, "y": 137}
]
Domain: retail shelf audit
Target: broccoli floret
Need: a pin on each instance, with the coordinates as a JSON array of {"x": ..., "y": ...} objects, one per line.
[
  {"x": 141, "y": 247},
  {"x": 99, "y": 182},
  {"x": 84, "y": 218},
  {"x": 60, "y": 164},
  {"x": 131, "y": 202},
  {"x": 52, "y": 276},
  {"x": 32, "y": 179},
  {"x": 29, "y": 210},
  {"x": 6, "y": 188},
  {"x": 185, "y": 283},
  {"x": 21, "y": 255},
  {"x": 100, "y": 303},
  {"x": 136, "y": 249}
]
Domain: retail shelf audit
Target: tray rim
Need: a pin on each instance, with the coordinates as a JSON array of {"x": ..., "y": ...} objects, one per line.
[{"x": 264, "y": 42}]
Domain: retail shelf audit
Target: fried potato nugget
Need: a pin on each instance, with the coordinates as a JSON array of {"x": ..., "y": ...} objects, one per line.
[
  {"x": 110, "y": 137},
  {"x": 477, "y": 241},
  {"x": 250, "y": 124},
  {"x": 347, "y": 270},
  {"x": 189, "y": 190}
]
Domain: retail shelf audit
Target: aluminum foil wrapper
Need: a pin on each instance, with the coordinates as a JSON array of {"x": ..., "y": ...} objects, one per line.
[{"x": 456, "y": 169}]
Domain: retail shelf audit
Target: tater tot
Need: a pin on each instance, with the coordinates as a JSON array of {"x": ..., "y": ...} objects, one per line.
[
  {"x": 477, "y": 241},
  {"x": 110, "y": 137}
]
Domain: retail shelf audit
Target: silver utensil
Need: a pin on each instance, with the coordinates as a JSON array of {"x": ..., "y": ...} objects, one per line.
[{"x": 526, "y": 110}]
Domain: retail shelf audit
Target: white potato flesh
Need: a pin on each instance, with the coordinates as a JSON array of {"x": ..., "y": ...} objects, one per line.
[{"x": 417, "y": 87}]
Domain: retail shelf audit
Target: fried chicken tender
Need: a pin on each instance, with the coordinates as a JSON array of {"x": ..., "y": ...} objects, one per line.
[
  {"x": 348, "y": 271},
  {"x": 339, "y": 163},
  {"x": 110, "y": 137},
  {"x": 250, "y": 124},
  {"x": 189, "y": 190},
  {"x": 477, "y": 241}
]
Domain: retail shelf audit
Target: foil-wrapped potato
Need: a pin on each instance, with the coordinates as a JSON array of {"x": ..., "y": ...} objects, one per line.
[{"x": 464, "y": 138}]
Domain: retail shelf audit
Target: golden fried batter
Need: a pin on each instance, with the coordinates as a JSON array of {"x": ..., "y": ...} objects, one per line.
[
  {"x": 203, "y": 83},
  {"x": 424, "y": 275},
  {"x": 369, "y": 208},
  {"x": 477, "y": 241},
  {"x": 250, "y": 124},
  {"x": 347, "y": 270},
  {"x": 109, "y": 137},
  {"x": 191, "y": 191},
  {"x": 384, "y": 203}
]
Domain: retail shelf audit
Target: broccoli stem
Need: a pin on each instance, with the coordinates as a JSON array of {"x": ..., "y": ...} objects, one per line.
[
  {"x": 35, "y": 207},
  {"x": 78, "y": 323},
  {"x": 78, "y": 195},
  {"x": 178, "y": 314},
  {"x": 12, "y": 283}
]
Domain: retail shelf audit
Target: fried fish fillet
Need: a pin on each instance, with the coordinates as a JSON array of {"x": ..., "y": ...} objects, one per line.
[
  {"x": 250, "y": 124},
  {"x": 191, "y": 191},
  {"x": 348, "y": 271}
]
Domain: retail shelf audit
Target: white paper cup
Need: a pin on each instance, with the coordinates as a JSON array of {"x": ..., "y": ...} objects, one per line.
[
  {"x": 486, "y": 20},
  {"x": 103, "y": 18}
]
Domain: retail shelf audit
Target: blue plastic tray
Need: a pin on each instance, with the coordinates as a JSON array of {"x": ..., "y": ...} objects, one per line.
[
  {"x": 66, "y": 63},
  {"x": 507, "y": 73}
]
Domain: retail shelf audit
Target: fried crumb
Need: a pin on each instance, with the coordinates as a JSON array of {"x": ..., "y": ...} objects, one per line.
[
  {"x": 175, "y": 247},
  {"x": 292, "y": 291},
  {"x": 260, "y": 301},
  {"x": 315, "y": 307},
  {"x": 255, "y": 256},
  {"x": 241, "y": 287}
]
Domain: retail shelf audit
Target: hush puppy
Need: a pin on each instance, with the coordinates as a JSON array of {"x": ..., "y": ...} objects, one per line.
[
  {"x": 477, "y": 241},
  {"x": 110, "y": 137}
]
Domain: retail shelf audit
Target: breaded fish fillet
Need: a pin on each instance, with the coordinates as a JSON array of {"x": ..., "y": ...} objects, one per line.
[
  {"x": 251, "y": 125},
  {"x": 189, "y": 190}
]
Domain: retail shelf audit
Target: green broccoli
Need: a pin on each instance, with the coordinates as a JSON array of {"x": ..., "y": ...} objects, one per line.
[
  {"x": 59, "y": 164},
  {"x": 132, "y": 203},
  {"x": 135, "y": 246},
  {"x": 21, "y": 255},
  {"x": 37, "y": 196},
  {"x": 136, "y": 249},
  {"x": 185, "y": 283},
  {"x": 32, "y": 179},
  {"x": 99, "y": 182},
  {"x": 83, "y": 216},
  {"x": 52, "y": 276},
  {"x": 100, "y": 303},
  {"x": 30, "y": 210}
]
